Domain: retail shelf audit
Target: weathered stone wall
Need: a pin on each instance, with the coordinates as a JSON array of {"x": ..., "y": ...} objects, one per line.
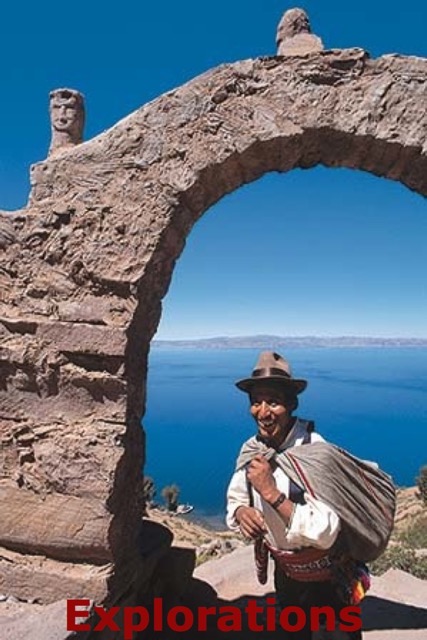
[{"x": 86, "y": 265}]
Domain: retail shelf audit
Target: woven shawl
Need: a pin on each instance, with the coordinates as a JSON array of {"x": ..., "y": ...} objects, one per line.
[{"x": 361, "y": 495}]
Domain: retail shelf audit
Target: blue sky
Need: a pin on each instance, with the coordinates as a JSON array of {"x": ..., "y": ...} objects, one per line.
[{"x": 342, "y": 252}]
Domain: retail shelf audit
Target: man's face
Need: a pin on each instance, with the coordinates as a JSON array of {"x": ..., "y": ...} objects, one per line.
[
  {"x": 64, "y": 113},
  {"x": 270, "y": 409}
]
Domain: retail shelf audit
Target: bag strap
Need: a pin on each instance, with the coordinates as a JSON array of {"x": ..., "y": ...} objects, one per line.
[
  {"x": 309, "y": 428},
  {"x": 297, "y": 467},
  {"x": 296, "y": 495}
]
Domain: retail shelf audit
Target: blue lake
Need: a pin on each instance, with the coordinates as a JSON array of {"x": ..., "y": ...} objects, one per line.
[{"x": 370, "y": 401}]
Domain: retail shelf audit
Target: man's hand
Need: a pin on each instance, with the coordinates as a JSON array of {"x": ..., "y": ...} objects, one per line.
[
  {"x": 260, "y": 475},
  {"x": 251, "y": 522}
]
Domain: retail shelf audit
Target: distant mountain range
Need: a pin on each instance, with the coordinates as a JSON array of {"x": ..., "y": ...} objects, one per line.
[{"x": 273, "y": 342}]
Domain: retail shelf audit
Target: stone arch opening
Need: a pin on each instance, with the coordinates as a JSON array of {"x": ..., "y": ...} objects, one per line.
[
  {"x": 202, "y": 272},
  {"x": 87, "y": 264},
  {"x": 202, "y": 263}
]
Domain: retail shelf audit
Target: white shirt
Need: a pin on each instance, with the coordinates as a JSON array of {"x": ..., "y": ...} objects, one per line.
[{"x": 312, "y": 525}]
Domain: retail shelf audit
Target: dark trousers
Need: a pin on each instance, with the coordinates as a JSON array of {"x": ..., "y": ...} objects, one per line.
[{"x": 305, "y": 596}]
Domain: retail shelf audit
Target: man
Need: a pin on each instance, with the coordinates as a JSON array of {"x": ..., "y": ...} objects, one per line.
[{"x": 298, "y": 529}]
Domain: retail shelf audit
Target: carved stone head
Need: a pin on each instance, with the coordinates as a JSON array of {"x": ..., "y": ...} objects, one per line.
[
  {"x": 294, "y": 35},
  {"x": 294, "y": 21},
  {"x": 67, "y": 116}
]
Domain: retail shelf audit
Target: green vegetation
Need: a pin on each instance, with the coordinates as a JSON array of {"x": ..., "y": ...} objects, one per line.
[
  {"x": 170, "y": 494},
  {"x": 415, "y": 536},
  {"x": 400, "y": 557},
  {"x": 408, "y": 546}
]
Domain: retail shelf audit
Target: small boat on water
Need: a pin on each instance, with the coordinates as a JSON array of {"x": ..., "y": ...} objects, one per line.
[{"x": 182, "y": 509}]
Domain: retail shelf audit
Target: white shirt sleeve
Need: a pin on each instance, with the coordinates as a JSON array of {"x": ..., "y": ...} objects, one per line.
[
  {"x": 237, "y": 496},
  {"x": 313, "y": 524}
]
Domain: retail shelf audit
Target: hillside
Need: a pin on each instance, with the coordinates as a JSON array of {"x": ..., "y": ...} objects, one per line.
[
  {"x": 409, "y": 507},
  {"x": 407, "y": 549}
]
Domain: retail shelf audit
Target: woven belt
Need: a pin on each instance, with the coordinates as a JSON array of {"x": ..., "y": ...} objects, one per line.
[{"x": 305, "y": 565}]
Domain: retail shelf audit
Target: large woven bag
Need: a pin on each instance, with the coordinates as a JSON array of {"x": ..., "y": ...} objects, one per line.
[{"x": 361, "y": 495}]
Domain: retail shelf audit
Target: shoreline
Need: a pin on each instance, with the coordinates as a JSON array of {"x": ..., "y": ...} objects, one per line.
[{"x": 214, "y": 522}]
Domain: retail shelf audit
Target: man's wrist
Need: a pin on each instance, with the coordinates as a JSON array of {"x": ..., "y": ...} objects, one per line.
[
  {"x": 272, "y": 496},
  {"x": 279, "y": 500},
  {"x": 283, "y": 506}
]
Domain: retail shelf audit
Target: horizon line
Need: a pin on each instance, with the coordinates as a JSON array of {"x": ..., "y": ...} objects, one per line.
[{"x": 294, "y": 337}]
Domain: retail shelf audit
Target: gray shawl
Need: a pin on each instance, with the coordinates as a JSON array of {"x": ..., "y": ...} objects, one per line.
[{"x": 360, "y": 494}]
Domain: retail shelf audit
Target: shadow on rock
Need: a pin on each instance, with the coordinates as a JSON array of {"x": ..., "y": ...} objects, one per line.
[{"x": 379, "y": 613}]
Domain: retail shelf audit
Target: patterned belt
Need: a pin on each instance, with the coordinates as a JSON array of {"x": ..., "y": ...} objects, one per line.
[{"x": 305, "y": 565}]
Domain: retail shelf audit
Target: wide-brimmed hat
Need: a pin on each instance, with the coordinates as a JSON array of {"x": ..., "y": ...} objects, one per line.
[{"x": 272, "y": 367}]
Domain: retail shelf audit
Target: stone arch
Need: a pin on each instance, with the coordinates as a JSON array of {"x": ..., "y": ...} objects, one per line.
[{"x": 88, "y": 262}]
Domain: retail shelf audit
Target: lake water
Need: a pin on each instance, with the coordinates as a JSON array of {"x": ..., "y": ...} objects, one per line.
[{"x": 372, "y": 402}]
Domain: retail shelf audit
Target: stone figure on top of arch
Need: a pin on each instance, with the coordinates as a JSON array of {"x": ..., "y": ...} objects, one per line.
[
  {"x": 67, "y": 116},
  {"x": 294, "y": 35}
]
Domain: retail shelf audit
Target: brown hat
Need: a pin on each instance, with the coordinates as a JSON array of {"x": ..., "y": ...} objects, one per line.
[{"x": 272, "y": 367}]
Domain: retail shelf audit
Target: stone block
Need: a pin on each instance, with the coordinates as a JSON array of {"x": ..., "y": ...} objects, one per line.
[{"x": 61, "y": 527}]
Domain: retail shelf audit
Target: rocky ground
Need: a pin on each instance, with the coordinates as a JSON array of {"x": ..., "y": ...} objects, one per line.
[{"x": 208, "y": 544}]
